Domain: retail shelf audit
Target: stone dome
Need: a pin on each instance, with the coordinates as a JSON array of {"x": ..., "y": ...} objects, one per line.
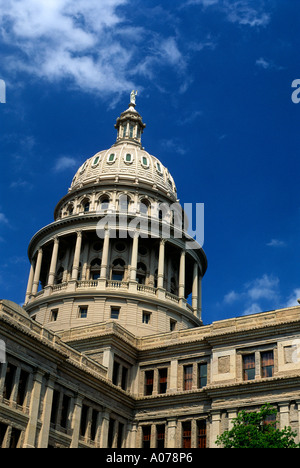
[{"x": 126, "y": 161}]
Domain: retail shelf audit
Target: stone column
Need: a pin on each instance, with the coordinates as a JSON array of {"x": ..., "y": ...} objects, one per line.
[
  {"x": 53, "y": 264},
  {"x": 134, "y": 257},
  {"x": 200, "y": 298},
  {"x": 104, "y": 262},
  {"x": 104, "y": 429},
  {"x": 76, "y": 261},
  {"x": 215, "y": 428},
  {"x": 182, "y": 279},
  {"x": 284, "y": 411},
  {"x": 30, "y": 284},
  {"x": 30, "y": 433},
  {"x": 37, "y": 273},
  {"x": 161, "y": 265},
  {"x": 172, "y": 388},
  {"x": 195, "y": 289},
  {"x": 76, "y": 418},
  {"x": 232, "y": 414},
  {"x": 46, "y": 416},
  {"x": 171, "y": 433}
]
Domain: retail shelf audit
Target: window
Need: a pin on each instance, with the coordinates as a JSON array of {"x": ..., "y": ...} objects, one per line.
[
  {"x": 158, "y": 167},
  {"x": 186, "y": 435},
  {"x": 84, "y": 420},
  {"x": 131, "y": 128},
  {"x": 146, "y": 317},
  {"x": 128, "y": 158},
  {"x": 188, "y": 377},
  {"x": 86, "y": 207},
  {"x": 149, "y": 382},
  {"x": 267, "y": 364},
  {"x": 9, "y": 381},
  {"x": 111, "y": 158},
  {"x": 104, "y": 203},
  {"x": 54, "y": 315},
  {"x": 202, "y": 375},
  {"x": 115, "y": 313},
  {"x": 201, "y": 428},
  {"x": 160, "y": 436},
  {"x": 162, "y": 380},
  {"x": 95, "y": 269},
  {"x": 173, "y": 325},
  {"x": 118, "y": 270},
  {"x": 115, "y": 373},
  {"x": 249, "y": 367},
  {"x": 124, "y": 378},
  {"x": 96, "y": 161},
  {"x": 141, "y": 273},
  {"x": 83, "y": 310},
  {"x": 65, "y": 411},
  {"x": 22, "y": 387},
  {"x": 146, "y": 436},
  {"x": 145, "y": 161}
]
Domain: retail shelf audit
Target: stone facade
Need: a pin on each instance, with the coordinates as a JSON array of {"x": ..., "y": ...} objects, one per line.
[
  {"x": 109, "y": 350},
  {"x": 101, "y": 386}
]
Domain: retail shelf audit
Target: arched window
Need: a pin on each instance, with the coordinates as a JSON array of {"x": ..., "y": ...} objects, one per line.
[
  {"x": 104, "y": 203},
  {"x": 59, "y": 275},
  {"x": 144, "y": 207},
  {"x": 95, "y": 269},
  {"x": 141, "y": 273},
  {"x": 86, "y": 207},
  {"x": 118, "y": 270},
  {"x": 70, "y": 209}
]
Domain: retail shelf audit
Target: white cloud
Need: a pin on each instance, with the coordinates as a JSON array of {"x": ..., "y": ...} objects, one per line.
[
  {"x": 293, "y": 298},
  {"x": 256, "y": 295},
  {"x": 276, "y": 243},
  {"x": 263, "y": 288},
  {"x": 89, "y": 43},
  {"x": 65, "y": 163},
  {"x": 231, "y": 297},
  {"x": 244, "y": 13},
  {"x": 252, "y": 309},
  {"x": 3, "y": 219}
]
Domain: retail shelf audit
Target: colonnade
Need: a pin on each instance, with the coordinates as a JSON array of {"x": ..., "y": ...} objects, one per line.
[{"x": 35, "y": 271}]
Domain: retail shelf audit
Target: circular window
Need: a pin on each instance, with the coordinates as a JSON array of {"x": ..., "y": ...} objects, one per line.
[
  {"x": 143, "y": 250},
  {"x": 120, "y": 246},
  {"x": 97, "y": 246}
]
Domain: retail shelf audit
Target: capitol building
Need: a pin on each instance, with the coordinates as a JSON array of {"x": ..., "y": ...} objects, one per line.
[{"x": 109, "y": 349}]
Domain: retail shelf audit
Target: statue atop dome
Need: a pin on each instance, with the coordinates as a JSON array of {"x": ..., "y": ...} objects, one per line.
[{"x": 133, "y": 97}]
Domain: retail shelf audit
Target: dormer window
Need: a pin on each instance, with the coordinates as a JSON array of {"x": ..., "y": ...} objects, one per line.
[
  {"x": 111, "y": 158},
  {"x": 96, "y": 161},
  {"x": 128, "y": 158},
  {"x": 158, "y": 168},
  {"x": 145, "y": 162}
]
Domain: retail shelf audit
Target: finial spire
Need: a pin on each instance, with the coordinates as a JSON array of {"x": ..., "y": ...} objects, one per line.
[{"x": 130, "y": 124}]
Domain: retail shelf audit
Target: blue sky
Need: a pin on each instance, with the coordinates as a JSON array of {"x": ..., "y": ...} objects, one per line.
[{"x": 214, "y": 80}]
